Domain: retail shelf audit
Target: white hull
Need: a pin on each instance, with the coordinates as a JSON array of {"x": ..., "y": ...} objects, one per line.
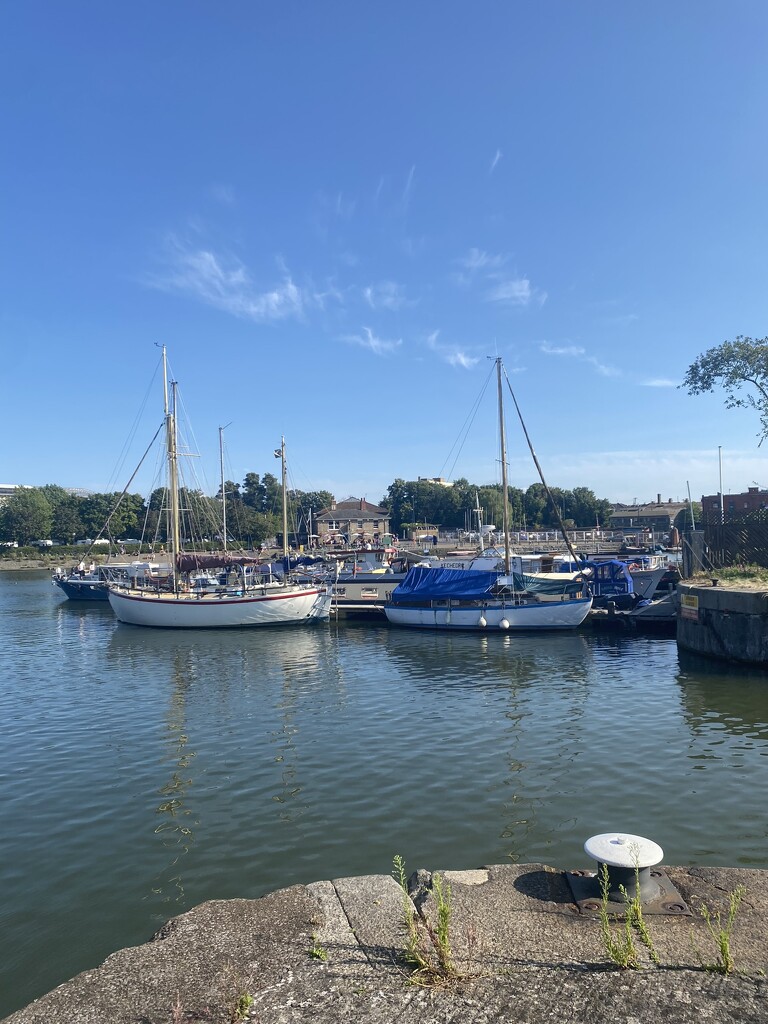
[
  {"x": 271, "y": 607},
  {"x": 494, "y": 615}
]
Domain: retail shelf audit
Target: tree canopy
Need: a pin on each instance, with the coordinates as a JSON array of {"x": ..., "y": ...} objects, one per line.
[
  {"x": 418, "y": 501},
  {"x": 740, "y": 367},
  {"x": 253, "y": 510}
]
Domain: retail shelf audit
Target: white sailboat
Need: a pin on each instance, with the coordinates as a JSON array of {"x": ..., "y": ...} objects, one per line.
[
  {"x": 247, "y": 599},
  {"x": 470, "y": 598}
]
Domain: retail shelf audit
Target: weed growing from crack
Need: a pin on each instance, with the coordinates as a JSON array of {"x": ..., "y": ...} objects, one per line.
[
  {"x": 428, "y": 947},
  {"x": 316, "y": 951},
  {"x": 721, "y": 933},
  {"x": 240, "y": 1008},
  {"x": 621, "y": 949}
]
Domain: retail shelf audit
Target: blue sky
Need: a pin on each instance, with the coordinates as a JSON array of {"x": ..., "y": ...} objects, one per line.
[{"x": 333, "y": 213}]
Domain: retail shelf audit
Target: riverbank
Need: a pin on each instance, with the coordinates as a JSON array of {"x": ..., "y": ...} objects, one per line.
[{"x": 521, "y": 950}]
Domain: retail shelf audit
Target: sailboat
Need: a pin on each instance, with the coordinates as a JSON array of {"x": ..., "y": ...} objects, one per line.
[
  {"x": 459, "y": 598},
  {"x": 246, "y": 599}
]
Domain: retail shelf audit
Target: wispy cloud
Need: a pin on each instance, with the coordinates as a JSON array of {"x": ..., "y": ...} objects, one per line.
[
  {"x": 504, "y": 288},
  {"x": 476, "y": 262},
  {"x": 320, "y": 295},
  {"x": 495, "y": 161},
  {"x": 379, "y": 346},
  {"x": 622, "y": 319},
  {"x": 408, "y": 190},
  {"x": 659, "y": 382},
  {"x": 602, "y": 368},
  {"x": 512, "y": 291},
  {"x": 478, "y": 259},
  {"x": 344, "y": 208},
  {"x": 224, "y": 194},
  {"x": 225, "y": 283},
  {"x": 451, "y": 354},
  {"x": 577, "y": 352},
  {"x": 561, "y": 350},
  {"x": 385, "y": 295}
]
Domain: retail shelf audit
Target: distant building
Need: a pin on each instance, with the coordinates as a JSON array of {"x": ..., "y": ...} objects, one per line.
[
  {"x": 8, "y": 490},
  {"x": 658, "y": 516},
  {"x": 352, "y": 521},
  {"x": 734, "y": 505},
  {"x": 441, "y": 481}
]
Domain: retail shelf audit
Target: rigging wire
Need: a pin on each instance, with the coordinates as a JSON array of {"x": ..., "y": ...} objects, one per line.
[
  {"x": 461, "y": 438},
  {"x": 536, "y": 462},
  {"x": 117, "y": 470}
]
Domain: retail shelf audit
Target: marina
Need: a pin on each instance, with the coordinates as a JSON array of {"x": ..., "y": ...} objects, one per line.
[{"x": 145, "y": 771}]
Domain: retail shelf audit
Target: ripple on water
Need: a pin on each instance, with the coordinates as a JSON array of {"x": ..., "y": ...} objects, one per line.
[{"x": 144, "y": 771}]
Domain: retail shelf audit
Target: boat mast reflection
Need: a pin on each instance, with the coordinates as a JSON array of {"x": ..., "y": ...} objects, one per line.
[{"x": 176, "y": 829}]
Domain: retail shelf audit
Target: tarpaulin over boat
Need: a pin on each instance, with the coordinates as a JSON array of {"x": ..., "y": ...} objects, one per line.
[
  {"x": 192, "y": 562},
  {"x": 468, "y": 584}
]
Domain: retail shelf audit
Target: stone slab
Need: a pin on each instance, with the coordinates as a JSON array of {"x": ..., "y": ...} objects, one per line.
[{"x": 523, "y": 953}]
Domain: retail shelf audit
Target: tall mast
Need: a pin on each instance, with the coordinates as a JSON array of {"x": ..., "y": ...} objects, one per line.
[
  {"x": 478, "y": 512},
  {"x": 173, "y": 469},
  {"x": 504, "y": 487},
  {"x": 285, "y": 500},
  {"x": 223, "y": 492}
]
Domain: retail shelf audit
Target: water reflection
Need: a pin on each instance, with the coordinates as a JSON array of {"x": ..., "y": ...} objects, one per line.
[
  {"x": 528, "y": 679},
  {"x": 471, "y": 659},
  {"x": 243, "y": 684},
  {"x": 145, "y": 766},
  {"x": 729, "y": 696},
  {"x": 176, "y": 830}
]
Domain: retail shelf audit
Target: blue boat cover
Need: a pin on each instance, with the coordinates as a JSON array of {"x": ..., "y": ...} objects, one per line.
[
  {"x": 610, "y": 578},
  {"x": 469, "y": 584}
]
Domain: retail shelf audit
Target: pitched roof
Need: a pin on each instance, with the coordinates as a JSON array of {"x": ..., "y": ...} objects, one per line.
[{"x": 353, "y": 505}]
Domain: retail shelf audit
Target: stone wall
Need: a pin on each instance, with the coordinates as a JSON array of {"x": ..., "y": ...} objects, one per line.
[{"x": 723, "y": 622}]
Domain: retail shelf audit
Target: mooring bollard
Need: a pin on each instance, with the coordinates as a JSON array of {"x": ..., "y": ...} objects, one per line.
[{"x": 629, "y": 860}]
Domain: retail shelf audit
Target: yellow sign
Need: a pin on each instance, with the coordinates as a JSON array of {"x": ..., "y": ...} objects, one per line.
[{"x": 689, "y": 607}]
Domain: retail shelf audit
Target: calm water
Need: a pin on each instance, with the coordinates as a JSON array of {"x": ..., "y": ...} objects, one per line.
[{"x": 142, "y": 772}]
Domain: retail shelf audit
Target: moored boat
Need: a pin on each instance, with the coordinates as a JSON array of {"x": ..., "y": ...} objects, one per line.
[
  {"x": 245, "y": 598},
  {"x": 472, "y": 599},
  {"x": 92, "y": 583},
  {"x": 267, "y": 604},
  {"x": 486, "y": 593}
]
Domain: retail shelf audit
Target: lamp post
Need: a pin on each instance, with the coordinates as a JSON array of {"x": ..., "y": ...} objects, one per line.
[{"x": 720, "y": 462}]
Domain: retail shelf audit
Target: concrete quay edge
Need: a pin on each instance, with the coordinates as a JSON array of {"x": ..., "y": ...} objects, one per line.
[
  {"x": 522, "y": 951},
  {"x": 728, "y": 623}
]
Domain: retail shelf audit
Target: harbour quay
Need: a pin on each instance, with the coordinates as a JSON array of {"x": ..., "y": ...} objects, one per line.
[
  {"x": 724, "y": 622},
  {"x": 516, "y": 947}
]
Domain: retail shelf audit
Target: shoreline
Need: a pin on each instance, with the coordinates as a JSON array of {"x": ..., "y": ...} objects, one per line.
[{"x": 518, "y": 949}]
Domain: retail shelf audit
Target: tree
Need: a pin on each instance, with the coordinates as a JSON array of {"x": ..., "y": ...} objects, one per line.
[
  {"x": 273, "y": 493},
  {"x": 315, "y": 500},
  {"x": 586, "y": 507},
  {"x": 253, "y": 491},
  {"x": 682, "y": 521},
  {"x": 112, "y": 515},
  {"x": 536, "y": 504},
  {"x": 232, "y": 491},
  {"x": 26, "y": 516},
  {"x": 66, "y": 524},
  {"x": 734, "y": 366}
]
